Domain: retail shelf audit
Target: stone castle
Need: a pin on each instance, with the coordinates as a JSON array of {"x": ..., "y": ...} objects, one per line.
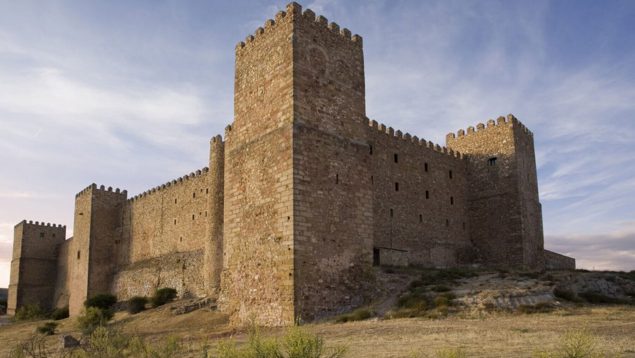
[{"x": 300, "y": 199}]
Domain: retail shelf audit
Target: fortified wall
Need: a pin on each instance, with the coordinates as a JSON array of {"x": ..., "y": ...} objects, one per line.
[{"x": 303, "y": 196}]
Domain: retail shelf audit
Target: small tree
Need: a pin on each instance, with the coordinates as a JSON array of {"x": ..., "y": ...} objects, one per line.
[{"x": 137, "y": 304}]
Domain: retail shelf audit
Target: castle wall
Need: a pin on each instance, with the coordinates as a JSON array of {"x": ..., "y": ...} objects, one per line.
[
  {"x": 165, "y": 227},
  {"x": 556, "y": 261},
  {"x": 420, "y": 199},
  {"x": 257, "y": 278},
  {"x": 332, "y": 193},
  {"x": 34, "y": 264},
  {"x": 62, "y": 293}
]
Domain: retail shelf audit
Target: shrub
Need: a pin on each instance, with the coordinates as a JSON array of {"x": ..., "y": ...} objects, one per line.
[
  {"x": 59, "y": 313},
  {"x": 104, "y": 301},
  {"x": 29, "y": 312},
  {"x": 359, "y": 314},
  {"x": 296, "y": 343},
  {"x": 47, "y": 329},
  {"x": 574, "y": 344},
  {"x": 163, "y": 296},
  {"x": 93, "y": 317},
  {"x": 137, "y": 304}
]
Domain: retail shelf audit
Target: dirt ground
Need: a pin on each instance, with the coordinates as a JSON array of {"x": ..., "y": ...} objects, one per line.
[{"x": 490, "y": 335}]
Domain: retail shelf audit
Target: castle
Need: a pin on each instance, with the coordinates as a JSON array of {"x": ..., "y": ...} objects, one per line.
[{"x": 300, "y": 199}]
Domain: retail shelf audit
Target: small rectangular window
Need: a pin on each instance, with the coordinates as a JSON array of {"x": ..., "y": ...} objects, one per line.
[
  {"x": 447, "y": 222},
  {"x": 396, "y": 158},
  {"x": 174, "y": 200},
  {"x": 451, "y": 200},
  {"x": 174, "y": 221},
  {"x": 193, "y": 216},
  {"x": 194, "y": 195},
  {"x": 450, "y": 174},
  {"x": 337, "y": 178},
  {"x": 370, "y": 149},
  {"x": 78, "y": 255},
  {"x": 425, "y": 166},
  {"x": 206, "y": 190},
  {"x": 491, "y": 161},
  {"x": 392, "y": 213},
  {"x": 396, "y": 186},
  {"x": 420, "y": 218},
  {"x": 372, "y": 179},
  {"x": 427, "y": 194}
]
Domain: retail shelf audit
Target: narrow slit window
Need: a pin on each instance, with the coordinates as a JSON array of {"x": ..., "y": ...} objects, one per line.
[
  {"x": 396, "y": 186},
  {"x": 396, "y": 158},
  {"x": 372, "y": 179},
  {"x": 337, "y": 178},
  {"x": 194, "y": 195},
  {"x": 425, "y": 167},
  {"x": 427, "y": 194},
  {"x": 174, "y": 221},
  {"x": 193, "y": 216},
  {"x": 447, "y": 222},
  {"x": 78, "y": 255},
  {"x": 451, "y": 200},
  {"x": 491, "y": 161},
  {"x": 370, "y": 149},
  {"x": 206, "y": 190},
  {"x": 450, "y": 174},
  {"x": 420, "y": 218},
  {"x": 174, "y": 201},
  {"x": 392, "y": 213}
]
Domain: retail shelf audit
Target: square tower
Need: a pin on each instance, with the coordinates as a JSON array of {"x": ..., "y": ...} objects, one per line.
[{"x": 297, "y": 201}]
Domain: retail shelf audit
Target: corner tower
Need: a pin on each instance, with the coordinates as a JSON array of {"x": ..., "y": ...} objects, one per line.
[
  {"x": 504, "y": 212},
  {"x": 34, "y": 264},
  {"x": 297, "y": 200}
]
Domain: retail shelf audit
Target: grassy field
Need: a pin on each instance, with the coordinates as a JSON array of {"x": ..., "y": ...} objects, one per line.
[{"x": 612, "y": 329}]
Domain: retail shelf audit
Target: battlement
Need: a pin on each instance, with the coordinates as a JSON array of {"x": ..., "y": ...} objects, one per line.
[
  {"x": 510, "y": 121},
  {"x": 294, "y": 12},
  {"x": 40, "y": 224},
  {"x": 216, "y": 139},
  {"x": 174, "y": 182},
  {"x": 101, "y": 188},
  {"x": 420, "y": 142}
]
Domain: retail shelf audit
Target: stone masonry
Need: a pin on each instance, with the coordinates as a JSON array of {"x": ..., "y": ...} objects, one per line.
[{"x": 302, "y": 197}]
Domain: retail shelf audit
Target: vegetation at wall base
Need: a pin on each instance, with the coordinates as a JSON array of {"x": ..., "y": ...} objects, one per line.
[
  {"x": 136, "y": 304},
  {"x": 29, "y": 312},
  {"x": 47, "y": 329},
  {"x": 104, "y": 301},
  {"x": 163, "y": 296}
]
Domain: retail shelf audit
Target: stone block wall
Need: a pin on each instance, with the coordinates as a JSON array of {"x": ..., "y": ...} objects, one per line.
[
  {"x": 556, "y": 261},
  {"x": 420, "y": 198},
  {"x": 34, "y": 264}
]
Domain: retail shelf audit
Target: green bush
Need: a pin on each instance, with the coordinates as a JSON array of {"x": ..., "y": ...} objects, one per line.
[
  {"x": 137, "y": 304},
  {"x": 47, "y": 328},
  {"x": 104, "y": 301},
  {"x": 59, "y": 313},
  {"x": 29, "y": 312},
  {"x": 163, "y": 296},
  {"x": 359, "y": 314},
  {"x": 574, "y": 344},
  {"x": 93, "y": 317}
]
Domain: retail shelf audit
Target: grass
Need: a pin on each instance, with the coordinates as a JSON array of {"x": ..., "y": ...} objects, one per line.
[{"x": 359, "y": 314}]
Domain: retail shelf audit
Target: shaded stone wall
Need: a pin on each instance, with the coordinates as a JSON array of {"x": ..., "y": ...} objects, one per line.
[
  {"x": 62, "y": 283},
  {"x": 420, "y": 198},
  {"x": 213, "y": 257},
  {"x": 503, "y": 207},
  {"x": 34, "y": 264},
  {"x": 332, "y": 193},
  {"x": 556, "y": 261},
  {"x": 257, "y": 278}
]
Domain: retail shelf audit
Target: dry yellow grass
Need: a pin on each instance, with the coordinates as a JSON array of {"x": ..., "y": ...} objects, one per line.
[{"x": 496, "y": 335}]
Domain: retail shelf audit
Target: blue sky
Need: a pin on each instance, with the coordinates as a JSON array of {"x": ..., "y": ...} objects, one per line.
[{"x": 127, "y": 94}]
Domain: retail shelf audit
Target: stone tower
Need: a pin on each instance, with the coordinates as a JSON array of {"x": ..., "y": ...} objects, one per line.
[
  {"x": 295, "y": 233},
  {"x": 504, "y": 212},
  {"x": 35, "y": 254},
  {"x": 96, "y": 232}
]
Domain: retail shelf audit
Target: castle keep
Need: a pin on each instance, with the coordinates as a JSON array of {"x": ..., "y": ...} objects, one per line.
[{"x": 300, "y": 199}]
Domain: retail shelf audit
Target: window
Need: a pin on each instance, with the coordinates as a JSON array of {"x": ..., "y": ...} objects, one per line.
[
  {"x": 375, "y": 256},
  {"x": 396, "y": 158},
  {"x": 174, "y": 200},
  {"x": 425, "y": 167},
  {"x": 206, "y": 214},
  {"x": 41, "y": 234},
  {"x": 451, "y": 200},
  {"x": 392, "y": 213},
  {"x": 372, "y": 179},
  {"x": 447, "y": 222},
  {"x": 337, "y": 178},
  {"x": 174, "y": 221},
  {"x": 396, "y": 186},
  {"x": 181, "y": 239},
  {"x": 370, "y": 149},
  {"x": 420, "y": 218},
  {"x": 78, "y": 255},
  {"x": 491, "y": 161},
  {"x": 427, "y": 194},
  {"x": 206, "y": 190},
  {"x": 450, "y": 174},
  {"x": 194, "y": 195},
  {"x": 193, "y": 216}
]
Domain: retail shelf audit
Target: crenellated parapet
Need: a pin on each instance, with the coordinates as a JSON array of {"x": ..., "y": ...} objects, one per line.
[
  {"x": 174, "y": 182},
  {"x": 40, "y": 224},
  {"x": 94, "y": 188},
  {"x": 294, "y": 13},
  {"x": 509, "y": 121},
  {"x": 416, "y": 141}
]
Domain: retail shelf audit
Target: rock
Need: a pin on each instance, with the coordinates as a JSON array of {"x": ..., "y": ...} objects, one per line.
[{"x": 69, "y": 341}]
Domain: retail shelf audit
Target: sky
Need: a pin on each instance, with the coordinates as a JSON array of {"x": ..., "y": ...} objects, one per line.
[{"x": 128, "y": 94}]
